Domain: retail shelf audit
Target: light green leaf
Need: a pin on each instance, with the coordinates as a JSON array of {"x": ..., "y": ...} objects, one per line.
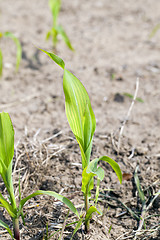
[
  {"x": 18, "y": 45},
  {"x": 4, "y": 225},
  {"x": 87, "y": 182},
  {"x": 88, "y": 174},
  {"x": 1, "y": 63},
  {"x": 6, "y": 141},
  {"x": 55, "y": 58},
  {"x": 79, "y": 114},
  {"x": 78, "y": 110},
  {"x": 61, "y": 31},
  {"x": 92, "y": 167},
  {"x": 91, "y": 210},
  {"x": 48, "y": 35},
  {"x": 50, "y": 193},
  {"x": 55, "y": 6},
  {"x": 7, "y": 206}
]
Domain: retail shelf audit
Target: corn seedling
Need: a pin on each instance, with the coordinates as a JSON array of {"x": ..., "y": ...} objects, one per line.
[
  {"x": 56, "y": 29},
  {"x": 83, "y": 123},
  {"x": 19, "y": 50},
  {"x": 6, "y": 155}
]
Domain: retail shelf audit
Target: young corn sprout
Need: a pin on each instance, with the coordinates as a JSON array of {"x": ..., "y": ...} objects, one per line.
[
  {"x": 56, "y": 29},
  {"x": 83, "y": 123},
  {"x": 6, "y": 156},
  {"x": 19, "y": 50}
]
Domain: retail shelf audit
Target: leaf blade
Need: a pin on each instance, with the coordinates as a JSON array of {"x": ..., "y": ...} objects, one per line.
[
  {"x": 4, "y": 225},
  {"x": 92, "y": 167},
  {"x": 79, "y": 113},
  {"x": 6, "y": 141},
  {"x": 53, "y": 194},
  {"x": 55, "y": 58},
  {"x": 62, "y": 32}
]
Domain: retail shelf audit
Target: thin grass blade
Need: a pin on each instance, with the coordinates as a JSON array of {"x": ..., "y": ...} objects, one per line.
[
  {"x": 4, "y": 225},
  {"x": 138, "y": 185},
  {"x": 77, "y": 227}
]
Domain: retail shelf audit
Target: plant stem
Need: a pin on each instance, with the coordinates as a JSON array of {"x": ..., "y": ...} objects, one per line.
[
  {"x": 87, "y": 223},
  {"x": 16, "y": 228}
]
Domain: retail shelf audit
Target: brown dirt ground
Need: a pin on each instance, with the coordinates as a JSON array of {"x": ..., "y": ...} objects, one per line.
[{"x": 113, "y": 48}]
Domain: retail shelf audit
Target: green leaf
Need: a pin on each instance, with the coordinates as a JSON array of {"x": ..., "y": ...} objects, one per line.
[
  {"x": 4, "y": 225},
  {"x": 92, "y": 167},
  {"x": 55, "y": 58},
  {"x": 55, "y": 6},
  {"x": 61, "y": 31},
  {"x": 87, "y": 176},
  {"x": 91, "y": 210},
  {"x": 77, "y": 227},
  {"x": 78, "y": 110},
  {"x": 138, "y": 185},
  {"x": 48, "y": 34},
  {"x": 6, "y": 141},
  {"x": 7, "y": 206},
  {"x": 79, "y": 114},
  {"x": 1, "y": 62},
  {"x": 87, "y": 182},
  {"x": 18, "y": 45},
  {"x": 53, "y": 194}
]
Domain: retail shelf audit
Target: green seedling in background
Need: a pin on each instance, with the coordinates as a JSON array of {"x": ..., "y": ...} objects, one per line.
[
  {"x": 56, "y": 29},
  {"x": 154, "y": 31},
  {"x": 131, "y": 96},
  {"x": 83, "y": 123},
  {"x": 19, "y": 50},
  {"x": 6, "y": 156}
]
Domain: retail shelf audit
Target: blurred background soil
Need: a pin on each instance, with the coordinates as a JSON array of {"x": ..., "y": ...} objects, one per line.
[{"x": 112, "y": 49}]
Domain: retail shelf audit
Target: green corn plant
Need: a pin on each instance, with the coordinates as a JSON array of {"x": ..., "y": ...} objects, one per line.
[
  {"x": 19, "y": 50},
  {"x": 6, "y": 155},
  {"x": 82, "y": 122},
  {"x": 56, "y": 29}
]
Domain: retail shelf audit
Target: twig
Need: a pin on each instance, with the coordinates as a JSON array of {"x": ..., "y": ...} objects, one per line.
[{"x": 128, "y": 114}]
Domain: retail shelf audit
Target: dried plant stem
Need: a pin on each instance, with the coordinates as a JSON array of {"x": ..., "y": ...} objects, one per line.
[{"x": 128, "y": 114}]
